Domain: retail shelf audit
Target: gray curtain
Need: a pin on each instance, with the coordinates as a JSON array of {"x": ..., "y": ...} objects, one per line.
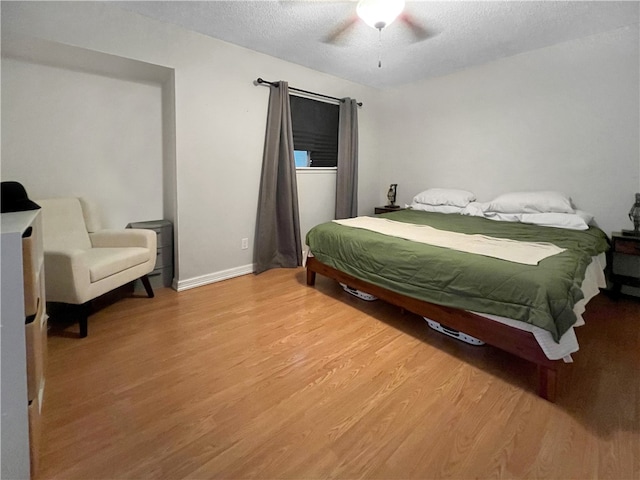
[
  {"x": 347, "y": 175},
  {"x": 278, "y": 242}
]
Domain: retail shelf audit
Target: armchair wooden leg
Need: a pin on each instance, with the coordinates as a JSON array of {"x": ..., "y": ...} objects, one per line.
[
  {"x": 83, "y": 318},
  {"x": 84, "y": 327},
  {"x": 147, "y": 286}
]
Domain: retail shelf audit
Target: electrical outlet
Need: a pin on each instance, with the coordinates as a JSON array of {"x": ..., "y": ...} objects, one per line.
[{"x": 245, "y": 243}]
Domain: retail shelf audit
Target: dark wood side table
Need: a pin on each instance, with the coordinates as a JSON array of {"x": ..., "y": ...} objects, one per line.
[
  {"x": 385, "y": 209},
  {"x": 625, "y": 267}
]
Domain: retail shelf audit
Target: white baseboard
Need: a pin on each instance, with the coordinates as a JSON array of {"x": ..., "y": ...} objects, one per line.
[{"x": 214, "y": 277}]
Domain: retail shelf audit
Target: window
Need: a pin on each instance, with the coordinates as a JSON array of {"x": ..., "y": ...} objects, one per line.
[
  {"x": 315, "y": 132},
  {"x": 302, "y": 158}
]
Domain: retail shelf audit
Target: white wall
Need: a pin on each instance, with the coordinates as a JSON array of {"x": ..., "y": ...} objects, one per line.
[
  {"x": 71, "y": 133},
  {"x": 316, "y": 197},
  {"x": 564, "y": 118},
  {"x": 220, "y": 119}
]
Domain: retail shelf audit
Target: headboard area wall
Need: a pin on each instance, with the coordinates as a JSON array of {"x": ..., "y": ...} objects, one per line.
[{"x": 564, "y": 117}]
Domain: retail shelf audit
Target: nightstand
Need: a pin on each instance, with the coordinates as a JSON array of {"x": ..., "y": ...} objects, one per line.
[
  {"x": 386, "y": 209},
  {"x": 625, "y": 267},
  {"x": 162, "y": 275}
]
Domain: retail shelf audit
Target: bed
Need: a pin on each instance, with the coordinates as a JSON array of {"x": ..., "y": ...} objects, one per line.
[{"x": 526, "y": 309}]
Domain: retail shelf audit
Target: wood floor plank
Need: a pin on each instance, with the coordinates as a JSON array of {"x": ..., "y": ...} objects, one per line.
[{"x": 264, "y": 377}]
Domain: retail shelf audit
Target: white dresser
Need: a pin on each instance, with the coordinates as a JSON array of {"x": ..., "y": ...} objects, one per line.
[{"x": 24, "y": 340}]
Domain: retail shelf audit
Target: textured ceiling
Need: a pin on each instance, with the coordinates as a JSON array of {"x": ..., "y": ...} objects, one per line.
[{"x": 462, "y": 33}]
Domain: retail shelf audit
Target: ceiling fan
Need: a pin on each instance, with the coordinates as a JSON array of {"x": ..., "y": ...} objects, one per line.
[{"x": 379, "y": 14}]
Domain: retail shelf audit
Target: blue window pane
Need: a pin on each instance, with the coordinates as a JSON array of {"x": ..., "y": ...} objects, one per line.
[{"x": 301, "y": 158}]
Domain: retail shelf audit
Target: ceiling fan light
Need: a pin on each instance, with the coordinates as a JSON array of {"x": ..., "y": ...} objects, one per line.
[{"x": 379, "y": 13}]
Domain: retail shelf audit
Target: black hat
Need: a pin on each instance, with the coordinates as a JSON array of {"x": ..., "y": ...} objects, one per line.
[{"x": 14, "y": 198}]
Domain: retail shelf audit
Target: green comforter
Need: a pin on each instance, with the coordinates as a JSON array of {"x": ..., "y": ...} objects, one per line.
[{"x": 543, "y": 295}]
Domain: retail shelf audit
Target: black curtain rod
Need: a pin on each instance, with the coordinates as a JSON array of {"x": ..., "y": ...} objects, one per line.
[{"x": 275, "y": 84}]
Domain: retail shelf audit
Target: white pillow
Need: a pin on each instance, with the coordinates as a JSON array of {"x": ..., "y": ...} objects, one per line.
[
  {"x": 436, "y": 208},
  {"x": 444, "y": 196},
  {"x": 503, "y": 217},
  {"x": 474, "y": 209},
  {"x": 530, "y": 202},
  {"x": 570, "y": 221}
]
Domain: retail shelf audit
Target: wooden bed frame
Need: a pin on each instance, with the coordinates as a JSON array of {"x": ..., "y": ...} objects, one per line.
[{"x": 518, "y": 342}]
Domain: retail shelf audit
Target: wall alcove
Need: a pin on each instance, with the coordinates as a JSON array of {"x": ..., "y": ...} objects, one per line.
[{"x": 87, "y": 123}]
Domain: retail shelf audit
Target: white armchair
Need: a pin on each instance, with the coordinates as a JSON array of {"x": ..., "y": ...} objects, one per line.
[{"x": 83, "y": 261}]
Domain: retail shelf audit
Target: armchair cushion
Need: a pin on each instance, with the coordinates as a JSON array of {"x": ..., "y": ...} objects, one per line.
[
  {"x": 63, "y": 224},
  {"x": 103, "y": 262},
  {"x": 91, "y": 215}
]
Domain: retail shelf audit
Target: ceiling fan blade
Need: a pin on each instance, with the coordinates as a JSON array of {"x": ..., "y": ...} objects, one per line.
[
  {"x": 418, "y": 31},
  {"x": 338, "y": 34}
]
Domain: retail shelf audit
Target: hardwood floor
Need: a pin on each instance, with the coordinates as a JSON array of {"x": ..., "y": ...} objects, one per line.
[{"x": 264, "y": 377}]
